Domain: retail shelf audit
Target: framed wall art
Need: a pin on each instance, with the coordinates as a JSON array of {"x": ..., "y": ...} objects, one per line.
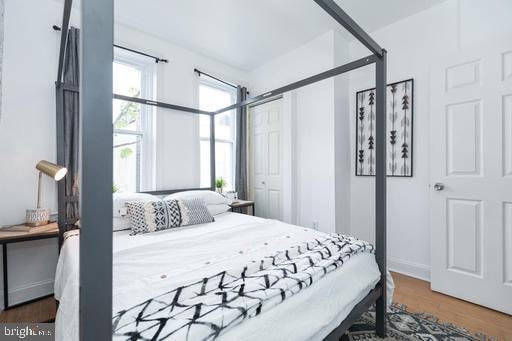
[{"x": 399, "y": 120}]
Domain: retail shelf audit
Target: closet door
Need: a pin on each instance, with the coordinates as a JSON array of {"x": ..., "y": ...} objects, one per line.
[
  {"x": 265, "y": 167},
  {"x": 471, "y": 176}
]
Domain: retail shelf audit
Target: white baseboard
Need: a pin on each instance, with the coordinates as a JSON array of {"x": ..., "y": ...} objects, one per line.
[
  {"x": 29, "y": 291},
  {"x": 413, "y": 269}
]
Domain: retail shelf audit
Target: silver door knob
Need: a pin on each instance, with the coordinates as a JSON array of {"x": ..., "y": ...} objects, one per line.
[
  {"x": 438, "y": 187},
  {"x": 263, "y": 182}
]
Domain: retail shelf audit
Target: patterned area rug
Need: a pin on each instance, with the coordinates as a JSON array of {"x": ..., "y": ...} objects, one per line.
[{"x": 403, "y": 325}]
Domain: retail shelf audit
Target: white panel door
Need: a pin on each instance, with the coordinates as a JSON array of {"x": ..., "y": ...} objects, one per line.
[
  {"x": 471, "y": 177},
  {"x": 265, "y": 167}
]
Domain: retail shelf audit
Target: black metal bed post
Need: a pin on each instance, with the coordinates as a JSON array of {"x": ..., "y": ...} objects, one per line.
[
  {"x": 96, "y": 170},
  {"x": 59, "y": 119},
  {"x": 379, "y": 54},
  {"x": 380, "y": 190},
  {"x": 338, "y": 14}
]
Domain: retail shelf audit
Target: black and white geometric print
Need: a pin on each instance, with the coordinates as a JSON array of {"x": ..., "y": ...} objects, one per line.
[
  {"x": 406, "y": 326},
  {"x": 210, "y": 306},
  {"x": 399, "y": 113},
  {"x": 194, "y": 211},
  {"x": 153, "y": 216}
]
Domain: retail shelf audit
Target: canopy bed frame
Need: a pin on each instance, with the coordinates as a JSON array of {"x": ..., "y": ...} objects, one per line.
[{"x": 96, "y": 159}]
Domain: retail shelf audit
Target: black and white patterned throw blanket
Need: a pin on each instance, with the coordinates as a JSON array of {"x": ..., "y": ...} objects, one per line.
[{"x": 205, "y": 309}]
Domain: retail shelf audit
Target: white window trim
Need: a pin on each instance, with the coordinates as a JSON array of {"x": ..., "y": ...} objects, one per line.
[
  {"x": 218, "y": 85},
  {"x": 148, "y": 113}
]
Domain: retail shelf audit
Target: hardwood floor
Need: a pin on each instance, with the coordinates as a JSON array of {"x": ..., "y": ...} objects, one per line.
[
  {"x": 418, "y": 297},
  {"x": 413, "y": 293},
  {"x": 43, "y": 310}
]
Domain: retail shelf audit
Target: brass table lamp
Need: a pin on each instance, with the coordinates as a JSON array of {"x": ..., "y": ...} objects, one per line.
[{"x": 41, "y": 216}]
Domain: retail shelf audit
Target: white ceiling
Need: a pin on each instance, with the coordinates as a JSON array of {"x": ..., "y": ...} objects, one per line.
[{"x": 249, "y": 33}]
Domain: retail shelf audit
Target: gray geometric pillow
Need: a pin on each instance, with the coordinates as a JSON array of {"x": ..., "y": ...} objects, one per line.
[
  {"x": 150, "y": 216},
  {"x": 194, "y": 211}
]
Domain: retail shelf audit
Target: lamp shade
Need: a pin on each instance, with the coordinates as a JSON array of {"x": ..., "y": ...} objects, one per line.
[{"x": 55, "y": 171}]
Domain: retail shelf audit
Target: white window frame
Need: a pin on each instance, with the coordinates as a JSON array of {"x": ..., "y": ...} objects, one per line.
[
  {"x": 217, "y": 85},
  {"x": 147, "y": 134}
]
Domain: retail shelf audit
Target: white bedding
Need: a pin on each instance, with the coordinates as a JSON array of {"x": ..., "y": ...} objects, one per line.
[{"x": 176, "y": 257}]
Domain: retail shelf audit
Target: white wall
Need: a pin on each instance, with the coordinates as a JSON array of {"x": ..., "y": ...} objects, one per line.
[
  {"x": 313, "y": 122},
  {"x": 412, "y": 44},
  {"x": 342, "y": 151},
  {"x": 27, "y": 125}
]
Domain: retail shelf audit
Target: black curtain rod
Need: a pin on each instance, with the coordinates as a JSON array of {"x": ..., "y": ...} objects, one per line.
[
  {"x": 199, "y": 72},
  {"x": 157, "y": 59}
]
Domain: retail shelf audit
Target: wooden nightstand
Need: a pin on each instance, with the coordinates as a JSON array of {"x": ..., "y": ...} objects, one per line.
[
  {"x": 239, "y": 205},
  {"x": 15, "y": 234}
]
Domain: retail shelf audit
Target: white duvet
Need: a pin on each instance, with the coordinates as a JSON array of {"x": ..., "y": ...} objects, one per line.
[{"x": 180, "y": 256}]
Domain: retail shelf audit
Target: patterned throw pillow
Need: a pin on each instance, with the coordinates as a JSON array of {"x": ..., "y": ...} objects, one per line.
[
  {"x": 151, "y": 216},
  {"x": 194, "y": 211}
]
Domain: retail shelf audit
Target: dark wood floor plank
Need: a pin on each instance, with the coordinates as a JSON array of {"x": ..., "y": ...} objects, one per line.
[{"x": 39, "y": 311}]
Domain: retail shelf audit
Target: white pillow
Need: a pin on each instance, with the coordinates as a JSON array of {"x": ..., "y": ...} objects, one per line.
[
  {"x": 120, "y": 224},
  {"x": 120, "y": 200},
  {"x": 218, "y": 209},
  {"x": 209, "y": 197},
  {"x": 121, "y": 221}
]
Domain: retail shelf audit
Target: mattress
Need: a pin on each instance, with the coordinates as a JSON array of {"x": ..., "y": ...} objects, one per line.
[{"x": 147, "y": 265}]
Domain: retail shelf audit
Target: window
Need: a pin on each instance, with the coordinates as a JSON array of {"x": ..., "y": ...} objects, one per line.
[
  {"x": 213, "y": 96},
  {"x": 133, "y": 124}
]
